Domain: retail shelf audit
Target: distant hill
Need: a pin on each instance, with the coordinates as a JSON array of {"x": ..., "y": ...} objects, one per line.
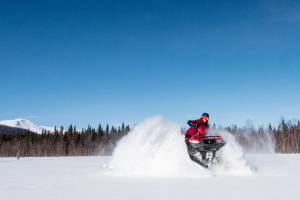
[
  {"x": 7, "y": 130},
  {"x": 25, "y": 124}
]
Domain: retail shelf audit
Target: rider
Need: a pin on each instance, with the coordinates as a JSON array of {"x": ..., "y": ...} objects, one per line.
[{"x": 198, "y": 128}]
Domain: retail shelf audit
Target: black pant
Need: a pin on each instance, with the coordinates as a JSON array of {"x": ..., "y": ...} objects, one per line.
[{"x": 196, "y": 155}]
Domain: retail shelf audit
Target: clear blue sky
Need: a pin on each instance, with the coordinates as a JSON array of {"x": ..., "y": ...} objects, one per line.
[{"x": 85, "y": 62}]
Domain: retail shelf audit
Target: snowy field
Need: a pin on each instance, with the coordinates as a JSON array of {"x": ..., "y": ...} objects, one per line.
[
  {"x": 152, "y": 163},
  {"x": 276, "y": 177}
]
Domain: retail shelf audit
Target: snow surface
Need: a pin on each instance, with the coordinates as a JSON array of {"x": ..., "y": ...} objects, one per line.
[
  {"x": 70, "y": 178},
  {"x": 25, "y": 124},
  {"x": 152, "y": 163}
]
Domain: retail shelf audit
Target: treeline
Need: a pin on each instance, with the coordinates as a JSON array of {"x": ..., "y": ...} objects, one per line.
[
  {"x": 72, "y": 142},
  {"x": 287, "y": 137},
  {"x": 284, "y": 138},
  {"x": 11, "y": 130}
]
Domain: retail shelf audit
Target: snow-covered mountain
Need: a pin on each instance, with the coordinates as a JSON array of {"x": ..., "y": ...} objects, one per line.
[{"x": 25, "y": 124}]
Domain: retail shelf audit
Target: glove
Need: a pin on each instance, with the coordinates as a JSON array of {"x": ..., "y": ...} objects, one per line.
[{"x": 191, "y": 123}]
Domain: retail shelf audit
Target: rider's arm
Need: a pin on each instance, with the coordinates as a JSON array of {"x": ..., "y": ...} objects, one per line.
[{"x": 196, "y": 123}]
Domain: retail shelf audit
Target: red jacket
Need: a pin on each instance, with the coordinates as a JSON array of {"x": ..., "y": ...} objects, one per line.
[{"x": 194, "y": 133}]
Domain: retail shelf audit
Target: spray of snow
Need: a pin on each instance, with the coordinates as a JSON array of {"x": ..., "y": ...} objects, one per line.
[
  {"x": 156, "y": 148},
  {"x": 257, "y": 141},
  {"x": 233, "y": 161}
]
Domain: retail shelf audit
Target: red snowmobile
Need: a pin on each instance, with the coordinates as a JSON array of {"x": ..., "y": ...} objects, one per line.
[{"x": 203, "y": 149}]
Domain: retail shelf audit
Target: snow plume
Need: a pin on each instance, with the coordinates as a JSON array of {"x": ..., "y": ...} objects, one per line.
[
  {"x": 232, "y": 157},
  {"x": 156, "y": 148},
  {"x": 254, "y": 140}
]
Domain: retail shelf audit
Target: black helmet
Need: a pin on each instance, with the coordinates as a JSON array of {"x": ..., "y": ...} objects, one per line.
[{"x": 205, "y": 114}]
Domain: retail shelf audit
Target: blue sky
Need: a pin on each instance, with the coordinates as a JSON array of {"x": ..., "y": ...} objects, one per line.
[{"x": 85, "y": 62}]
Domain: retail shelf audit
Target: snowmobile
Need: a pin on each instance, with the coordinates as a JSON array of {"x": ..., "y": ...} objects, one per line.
[
  {"x": 204, "y": 151},
  {"x": 207, "y": 146}
]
